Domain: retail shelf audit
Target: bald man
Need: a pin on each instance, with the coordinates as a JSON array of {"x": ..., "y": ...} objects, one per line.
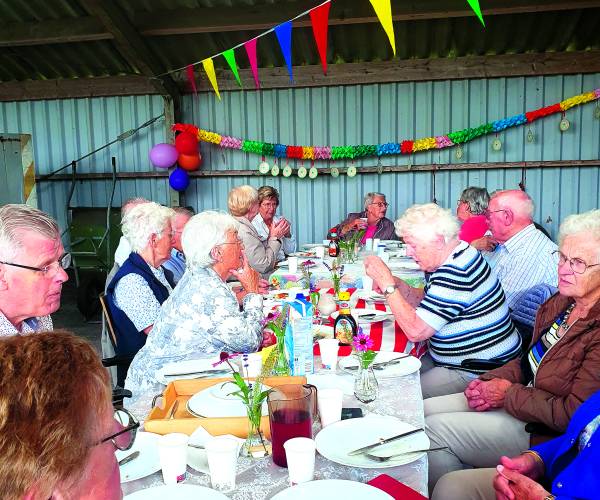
[{"x": 523, "y": 257}]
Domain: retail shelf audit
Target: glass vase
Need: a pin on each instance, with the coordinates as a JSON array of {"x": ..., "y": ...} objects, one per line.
[
  {"x": 255, "y": 444},
  {"x": 281, "y": 367},
  {"x": 365, "y": 384}
]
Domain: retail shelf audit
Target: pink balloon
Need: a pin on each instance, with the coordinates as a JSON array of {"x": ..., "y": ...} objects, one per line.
[{"x": 163, "y": 155}]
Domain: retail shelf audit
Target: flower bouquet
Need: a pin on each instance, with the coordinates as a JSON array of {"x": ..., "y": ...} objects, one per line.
[
  {"x": 337, "y": 272},
  {"x": 277, "y": 362},
  {"x": 365, "y": 383},
  {"x": 349, "y": 247}
]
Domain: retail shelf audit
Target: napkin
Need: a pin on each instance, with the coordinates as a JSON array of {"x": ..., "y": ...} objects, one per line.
[
  {"x": 395, "y": 488},
  {"x": 196, "y": 457}
]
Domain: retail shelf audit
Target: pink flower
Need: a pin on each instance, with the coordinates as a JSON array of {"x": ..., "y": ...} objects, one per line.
[{"x": 362, "y": 342}]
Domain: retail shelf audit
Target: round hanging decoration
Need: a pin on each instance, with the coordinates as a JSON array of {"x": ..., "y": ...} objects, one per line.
[
  {"x": 264, "y": 167},
  {"x": 186, "y": 143},
  {"x": 190, "y": 162},
  {"x": 179, "y": 179},
  {"x": 530, "y": 136},
  {"x": 351, "y": 172},
  {"x": 302, "y": 172},
  {"x": 313, "y": 172},
  {"x": 496, "y": 145},
  {"x": 564, "y": 125},
  {"x": 335, "y": 172},
  {"x": 163, "y": 155},
  {"x": 459, "y": 152},
  {"x": 287, "y": 171},
  {"x": 275, "y": 170}
]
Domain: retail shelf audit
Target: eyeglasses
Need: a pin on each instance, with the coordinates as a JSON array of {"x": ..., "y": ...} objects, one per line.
[
  {"x": 237, "y": 242},
  {"x": 63, "y": 262},
  {"x": 488, "y": 213},
  {"x": 124, "y": 439},
  {"x": 577, "y": 265},
  {"x": 381, "y": 204}
]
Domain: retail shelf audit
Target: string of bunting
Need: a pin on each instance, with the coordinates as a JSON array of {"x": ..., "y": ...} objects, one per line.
[{"x": 378, "y": 150}]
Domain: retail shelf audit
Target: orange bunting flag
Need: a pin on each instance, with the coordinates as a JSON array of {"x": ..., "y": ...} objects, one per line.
[
  {"x": 209, "y": 68},
  {"x": 319, "y": 17},
  {"x": 383, "y": 9}
]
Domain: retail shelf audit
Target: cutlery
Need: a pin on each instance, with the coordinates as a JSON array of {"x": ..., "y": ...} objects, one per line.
[
  {"x": 381, "y": 441},
  {"x": 386, "y": 458},
  {"x": 205, "y": 373},
  {"x": 129, "y": 458},
  {"x": 174, "y": 409},
  {"x": 383, "y": 364}
]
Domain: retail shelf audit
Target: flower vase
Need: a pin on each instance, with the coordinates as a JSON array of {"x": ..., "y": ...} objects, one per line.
[
  {"x": 255, "y": 444},
  {"x": 281, "y": 367},
  {"x": 365, "y": 383}
]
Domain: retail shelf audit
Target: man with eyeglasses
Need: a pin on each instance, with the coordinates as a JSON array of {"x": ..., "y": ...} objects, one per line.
[
  {"x": 175, "y": 266},
  {"x": 372, "y": 220},
  {"x": 524, "y": 255},
  {"x": 32, "y": 270}
]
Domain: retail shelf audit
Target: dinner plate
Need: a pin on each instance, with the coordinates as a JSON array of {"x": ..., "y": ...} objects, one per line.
[
  {"x": 322, "y": 332},
  {"x": 178, "y": 491},
  {"x": 359, "y": 315},
  {"x": 405, "y": 366},
  {"x": 308, "y": 246},
  {"x": 332, "y": 488},
  {"x": 206, "y": 404},
  {"x": 370, "y": 295},
  {"x": 336, "y": 440},
  {"x": 191, "y": 366},
  {"x": 302, "y": 254},
  {"x": 148, "y": 461}
]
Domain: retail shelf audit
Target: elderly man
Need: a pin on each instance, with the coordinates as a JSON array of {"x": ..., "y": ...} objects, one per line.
[
  {"x": 32, "y": 270},
  {"x": 372, "y": 219},
  {"x": 523, "y": 257},
  {"x": 175, "y": 266}
]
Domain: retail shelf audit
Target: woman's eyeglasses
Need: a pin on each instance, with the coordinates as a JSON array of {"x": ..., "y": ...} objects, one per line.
[
  {"x": 381, "y": 204},
  {"x": 123, "y": 439},
  {"x": 577, "y": 265}
]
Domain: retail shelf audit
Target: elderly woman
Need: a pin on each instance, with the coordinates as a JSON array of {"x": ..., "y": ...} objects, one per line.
[
  {"x": 203, "y": 315},
  {"x": 462, "y": 311},
  {"x": 372, "y": 219},
  {"x": 139, "y": 288},
  {"x": 58, "y": 429},
  {"x": 262, "y": 255},
  {"x": 470, "y": 211},
  {"x": 268, "y": 201},
  {"x": 545, "y": 387}
]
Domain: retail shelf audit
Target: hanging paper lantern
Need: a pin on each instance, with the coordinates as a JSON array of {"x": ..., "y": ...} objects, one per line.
[
  {"x": 163, "y": 155},
  {"x": 190, "y": 162},
  {"x": 179, "y": 179},
  {"x": 186, "y": 143},
  {"x": 264, "y": 167}
]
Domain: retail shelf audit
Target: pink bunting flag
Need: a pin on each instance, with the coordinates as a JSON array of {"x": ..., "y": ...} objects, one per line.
[
  {"x": 189, "y": 69},
  {"x": 250, "y": 47},
  {"x": 319, "y": 17}
]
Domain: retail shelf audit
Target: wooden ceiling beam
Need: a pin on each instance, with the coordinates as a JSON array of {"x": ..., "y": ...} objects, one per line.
[{"x": 81, "y": 29}]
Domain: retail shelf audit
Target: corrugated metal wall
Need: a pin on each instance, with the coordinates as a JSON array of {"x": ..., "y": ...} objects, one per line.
[{"x": 367, "y": 114}]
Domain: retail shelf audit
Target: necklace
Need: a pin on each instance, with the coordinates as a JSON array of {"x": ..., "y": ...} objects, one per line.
[{"x": 563, "y": 324}]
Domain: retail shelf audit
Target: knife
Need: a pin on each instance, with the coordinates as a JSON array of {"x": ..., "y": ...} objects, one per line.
[
  {"x": 200, "y": 372},
  {"x": 383, "y": 364},
  {"x": 129, "y": 458},
  {"x": 381, "y": 441}
]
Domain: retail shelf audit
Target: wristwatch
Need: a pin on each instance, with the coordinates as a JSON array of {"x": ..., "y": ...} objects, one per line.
[{"x": 388, "y": 290}]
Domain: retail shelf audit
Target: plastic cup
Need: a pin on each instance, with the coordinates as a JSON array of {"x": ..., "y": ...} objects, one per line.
[
  {"x": 369, "y": 244},
  {"x": 329, "y": 353},
  {"x": 300, "y": 455},
  {"x": 367, "y": 283},
  {"x": 320, "y": 251},
  {"x": 172, "y": 450},
  {"x": 293, "y": 264},
  {"x": 329, "y": 403},
  {"x": 222, "y": 454}
]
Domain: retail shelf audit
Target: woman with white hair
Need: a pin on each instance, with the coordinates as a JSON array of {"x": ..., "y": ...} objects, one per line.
[
  {"x": 462, "y": 310},
  {"x": 203, "y": 315},
  {"x": 136, "y": 292},
  {"x": 262, "y": 255},
  {"x": 372, "y": 219}
]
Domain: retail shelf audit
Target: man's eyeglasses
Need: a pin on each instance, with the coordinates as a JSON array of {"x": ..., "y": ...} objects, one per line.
[
  {"x": 488, "y": 213},
  {"x": 63, "y": 262},
  {"x": 381, "y": 204},
  {"x": 577, "y": 265},
  {"x": 124, "y": 439}
]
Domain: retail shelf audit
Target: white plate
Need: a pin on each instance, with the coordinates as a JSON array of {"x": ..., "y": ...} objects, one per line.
[
  {"x": 322, "y": 332},
  {"x": 206, "y": 404},
  {"x": 406, "y": 366},
  {"x": 189, "y": 366},
  {"x": 336, "y": 440},
  {"x": 357, "y": 313},
  {"x": 177, "y": 491},
  {"x": 148, "y": 461},
  {"x": 308, "y": 246},
  {"x": 370, "y": 295},
  {"x": 302, "y": 254},
  {"x": 332, "y": 488}
]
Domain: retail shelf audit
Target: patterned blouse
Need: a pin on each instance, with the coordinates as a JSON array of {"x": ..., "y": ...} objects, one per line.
[
  {"x": 200, "y": 318},
  {"x": 28, "y": 326}
]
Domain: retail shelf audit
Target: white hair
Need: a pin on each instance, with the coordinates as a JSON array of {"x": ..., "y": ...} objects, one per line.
[
  {"x": 202, "y": 233},
  {"x": 369, "y": 198},
  {"x": 426, "y": 222},
  {"x": 518, "y": 201},
  {"x": 144, "y": 220},
  {"x": 587, "y": 222}
]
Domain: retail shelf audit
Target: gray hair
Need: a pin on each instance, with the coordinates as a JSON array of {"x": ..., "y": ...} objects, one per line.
[
  {"x": 427, "y": 221},
  {"x": 369, "y": 198},
  {"x": 144, "y": 220},
  {"x": 17, "y": 218},
  {"x": 130, "y": 203},
  {"x": 213, "y": 226},
  {"x": 587, "y": 222},
  {"x": 183, "y": 211},
  {"x": 477, "y": 199},
  {"x": 518, "y": 201},
  {"x": 240, "y": 199}
]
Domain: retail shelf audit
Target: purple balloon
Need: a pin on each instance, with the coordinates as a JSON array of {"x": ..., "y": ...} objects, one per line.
[
  {"x": 179, "y": 179},
  {"x": 163, "y": 155}
]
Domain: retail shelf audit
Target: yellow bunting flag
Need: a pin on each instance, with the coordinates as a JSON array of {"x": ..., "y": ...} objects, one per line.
[
  {"x": 209, "y": 68},
  {"x": 383, "y": 9}
]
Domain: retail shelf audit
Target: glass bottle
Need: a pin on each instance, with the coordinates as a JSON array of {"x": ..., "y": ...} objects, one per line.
[{"x": 334, "y": 247}]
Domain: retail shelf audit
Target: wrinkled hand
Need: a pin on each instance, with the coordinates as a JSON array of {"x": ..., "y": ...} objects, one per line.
[
  {"x": 525, "y": 464},
  {"x": 263, "y": 286},
  {"x": 247, "y": 276},
  {"x": 512, "y": 485},
  {"x": 482, "y": 395},
  {"x": 474, "y": 396},
  {"x": 279, "y": 229},
  {"x": 355, "y": 225},
  {"x": 485, "y": 243},
  {"x": 381, "y": 274}
]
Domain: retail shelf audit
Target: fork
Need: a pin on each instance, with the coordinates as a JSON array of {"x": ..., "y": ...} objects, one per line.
[{"x": 377, "y": 458}]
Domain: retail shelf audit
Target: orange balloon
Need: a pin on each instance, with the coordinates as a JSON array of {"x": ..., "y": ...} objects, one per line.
[{"x": 189, "y": 162}]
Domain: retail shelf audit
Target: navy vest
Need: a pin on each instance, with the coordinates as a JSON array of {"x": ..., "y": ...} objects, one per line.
[{"x": 129, "y": 339}]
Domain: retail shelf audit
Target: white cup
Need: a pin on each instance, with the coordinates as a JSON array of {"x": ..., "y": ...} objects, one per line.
[
  {"x": 326, "y": 243},
  {"x": 300, "y": 455},
  {"x": 253, "y": 362},
  {"x": 329, "y": 353},
  {"x": 367, "y": 283},
  {"x": 172, "y": 450},
  {"x": 369, "y": 244},
  {"x": 293, "y": 264},
  {"x": 320, "y": 251},
  {"x": 329, "y": 402},
  {"x": 222, "y": 454},
  {"x": 385, "y": 257},
  {"x": 376, "y": 242}
]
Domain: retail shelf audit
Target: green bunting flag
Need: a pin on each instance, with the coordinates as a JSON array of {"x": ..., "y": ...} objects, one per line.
[
  {"x": 475, "y": 6},
  {"x": 229, "y": 56}
]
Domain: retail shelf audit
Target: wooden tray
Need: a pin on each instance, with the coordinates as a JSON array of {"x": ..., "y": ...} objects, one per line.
[{"x": 158, "y": 420}]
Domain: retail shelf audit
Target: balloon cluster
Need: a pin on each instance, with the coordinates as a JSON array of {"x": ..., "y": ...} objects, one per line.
[{"x": 185, "y": 152}]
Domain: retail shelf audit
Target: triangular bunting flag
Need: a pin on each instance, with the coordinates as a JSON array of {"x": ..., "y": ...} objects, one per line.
[
  {"x": 209, "y": 67},
  {"x": 250, "y": 47},
  {"x": 189, "y": 69},
  {"x": 319, "y": 17},
  {"x": 383, "y": 9},
  {"x": 475, "y": 6},
  {"x": 229, "y": 56},
  {"x": 284, "y": 36}
]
